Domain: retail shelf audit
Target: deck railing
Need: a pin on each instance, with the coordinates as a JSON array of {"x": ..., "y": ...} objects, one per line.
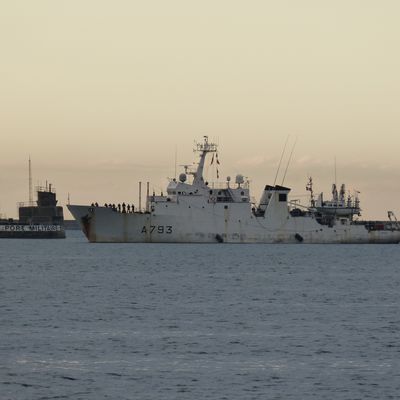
[
  {"x": 26, "y": 204},
  {"x": 224, "y": 185}
]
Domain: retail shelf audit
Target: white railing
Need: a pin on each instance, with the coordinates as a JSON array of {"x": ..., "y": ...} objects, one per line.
[
  {"x": 27, "y": 204},
  {"x": 48, "y": 188},
  {"x": 224, "y": 185}
]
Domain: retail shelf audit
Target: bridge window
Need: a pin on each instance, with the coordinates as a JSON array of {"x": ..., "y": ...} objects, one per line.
[{"x": 282, "y": 197}]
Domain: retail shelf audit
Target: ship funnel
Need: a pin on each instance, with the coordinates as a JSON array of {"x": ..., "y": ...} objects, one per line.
[
  {"x": 265, "y": 198},
  {"x": 276, "y": 193}
]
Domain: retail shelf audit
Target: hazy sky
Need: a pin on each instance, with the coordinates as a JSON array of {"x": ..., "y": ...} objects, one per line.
[{"x": 100, "y": 93}]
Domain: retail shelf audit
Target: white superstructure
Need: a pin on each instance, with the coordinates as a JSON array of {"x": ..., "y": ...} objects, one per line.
[{"x": 194, "y": 211}]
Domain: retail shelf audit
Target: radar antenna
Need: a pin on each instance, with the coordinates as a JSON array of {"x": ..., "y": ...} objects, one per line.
[
  {"x": 206, "y": 146},
  {"x": 186, "y": 168}
]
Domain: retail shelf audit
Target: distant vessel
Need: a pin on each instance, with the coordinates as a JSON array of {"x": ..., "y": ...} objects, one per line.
[
  {"x": 42, "y": 219},
  {"x": 196, "y": 211}
]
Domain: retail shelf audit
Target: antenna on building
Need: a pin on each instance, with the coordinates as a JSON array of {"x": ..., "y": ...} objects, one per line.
[{"x": 30, "y": 182}]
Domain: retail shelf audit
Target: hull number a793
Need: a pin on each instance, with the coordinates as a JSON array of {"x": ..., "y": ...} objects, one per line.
[{"x": 161, "y": 229}]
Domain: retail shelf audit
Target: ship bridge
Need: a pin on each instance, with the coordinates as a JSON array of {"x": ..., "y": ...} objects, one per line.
[{"x": 192, "y": 185}]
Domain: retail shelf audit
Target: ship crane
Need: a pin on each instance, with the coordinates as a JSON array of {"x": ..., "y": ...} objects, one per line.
[{"x": 393, "y": 219}]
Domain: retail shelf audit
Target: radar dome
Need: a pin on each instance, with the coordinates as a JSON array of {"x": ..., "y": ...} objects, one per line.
[
  {"x": 182, "y": 177},
  {"x": 239, "y": 179}
]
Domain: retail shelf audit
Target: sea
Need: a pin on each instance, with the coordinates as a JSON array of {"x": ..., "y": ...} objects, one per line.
[{"x": 154, "y": 321}]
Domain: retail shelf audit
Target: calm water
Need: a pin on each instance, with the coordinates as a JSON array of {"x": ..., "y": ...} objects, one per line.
[{"x": 81, "y": 321}]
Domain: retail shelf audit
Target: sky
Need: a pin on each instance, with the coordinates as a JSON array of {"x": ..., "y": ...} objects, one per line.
[{"x": 101, "y": 94}]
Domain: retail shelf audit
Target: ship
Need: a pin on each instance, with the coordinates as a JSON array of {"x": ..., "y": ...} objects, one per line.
[
  {"x": 194, "y": 210},
  {"x": 42, "y": 219}
]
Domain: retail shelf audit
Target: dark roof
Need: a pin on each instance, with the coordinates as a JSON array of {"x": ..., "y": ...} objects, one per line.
[{"x": 277, "y": 188}]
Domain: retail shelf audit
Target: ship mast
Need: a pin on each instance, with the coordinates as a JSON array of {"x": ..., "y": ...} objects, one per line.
[
  {"x": 203, "y": 148},
  {"x": 309, "y": 188},
  {"x": 30, "y": 182}
]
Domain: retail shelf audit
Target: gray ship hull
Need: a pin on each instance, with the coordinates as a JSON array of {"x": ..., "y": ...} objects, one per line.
[{"x": 216, "y": 224}]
